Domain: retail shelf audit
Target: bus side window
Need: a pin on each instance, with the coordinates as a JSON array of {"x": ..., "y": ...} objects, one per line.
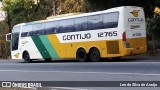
[
  {"x": 66, "y": 26},
  {"x": 80, "y": 24},
  {"x": 51, "y": 27},
  {"x": 95, "y": 22},
  {"x": 26, "y": 31},
  {"x": 38, "y": 29},
  {"x": 34, "y": 33},
  {"x": 41, "y": 32},
  {"x": 110, "y": 20},
  {"x": 15, "y": 37}
]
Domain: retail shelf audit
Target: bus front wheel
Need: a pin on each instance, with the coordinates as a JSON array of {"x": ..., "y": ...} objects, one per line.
[
  {"x": 81, "y": 55},
  {"x": 26, "y": 57}
]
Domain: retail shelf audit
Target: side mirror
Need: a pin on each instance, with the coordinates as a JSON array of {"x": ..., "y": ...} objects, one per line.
[{"x": 9, "y": 37}]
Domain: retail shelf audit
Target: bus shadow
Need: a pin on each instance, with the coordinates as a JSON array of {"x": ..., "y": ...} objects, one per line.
[
  {"x": 53, "y": 61},
  {"x": 102, "y": 60},
  {"x": 126, "y": 60}
]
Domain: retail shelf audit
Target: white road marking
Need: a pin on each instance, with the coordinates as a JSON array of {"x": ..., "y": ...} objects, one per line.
[
  {"x": 109, "y": 73},
  {"x": 66, "y": 88}
]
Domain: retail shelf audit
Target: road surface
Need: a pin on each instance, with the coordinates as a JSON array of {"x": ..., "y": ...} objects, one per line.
[{"x": 138, "y": 68}]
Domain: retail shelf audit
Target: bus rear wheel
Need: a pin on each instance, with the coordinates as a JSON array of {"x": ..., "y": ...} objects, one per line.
[
  {"x": 81, "y": 55},
  {"x": 26, "y": 57},
  {"x": 94, "y": 55}
]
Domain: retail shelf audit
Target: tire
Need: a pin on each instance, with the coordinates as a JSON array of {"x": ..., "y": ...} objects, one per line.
[
  {"x": 116, "y": 58},
  {"x": 94, "y": 55},
  {"x": 26, "y": 57},
  {"x": 81, "y": 55},
  {"x": 48, "y": 60}
]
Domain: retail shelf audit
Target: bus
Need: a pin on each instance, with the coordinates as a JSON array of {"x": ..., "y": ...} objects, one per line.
[{"x": 111, "y": 33}]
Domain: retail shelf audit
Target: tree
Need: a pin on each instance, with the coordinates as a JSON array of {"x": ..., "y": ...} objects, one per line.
[
  {"x": 153, "y": 30},
  {"x": 148, "y": 5},
  {"x": 70, "y": 6},
  {"x": 20, "y": 11}
]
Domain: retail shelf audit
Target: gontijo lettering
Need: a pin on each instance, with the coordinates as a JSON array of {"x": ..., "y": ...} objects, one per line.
[
  {"x": 136, "y": 20},
  {"x": 77, "y": 36}
]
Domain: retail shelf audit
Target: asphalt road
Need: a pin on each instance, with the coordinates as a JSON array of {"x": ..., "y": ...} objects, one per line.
[{"x": 136, "y": 68}]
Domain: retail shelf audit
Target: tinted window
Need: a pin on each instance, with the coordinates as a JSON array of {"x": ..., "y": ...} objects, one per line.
[
  {"x": 26, "y": 31},
  {"x": 38, "y": 29},
  {"x": 15, "y": 37},
  {"x": 51, "y": 27},
  {"x": 110, "y": 20},
  {"x": 66, "y": 26},
  {"x": 80, "y": 24},
  {"x": 95, "y": 22}
]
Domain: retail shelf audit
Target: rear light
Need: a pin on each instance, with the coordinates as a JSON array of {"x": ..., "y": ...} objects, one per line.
[
  {"x": 126, "y": 45},
  {"x": 124, "y": 36}
]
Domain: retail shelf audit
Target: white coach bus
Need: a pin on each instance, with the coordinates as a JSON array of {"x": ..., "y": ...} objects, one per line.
[{"x": 111, "y": 33}]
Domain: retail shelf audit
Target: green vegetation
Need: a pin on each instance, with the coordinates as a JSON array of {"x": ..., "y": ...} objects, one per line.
[
  {"x": 20, "y": 11},
  {"x": 153, "y": 33}
]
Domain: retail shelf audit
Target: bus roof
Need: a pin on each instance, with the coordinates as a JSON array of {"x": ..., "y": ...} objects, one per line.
[{"x": 63, "y": 15}]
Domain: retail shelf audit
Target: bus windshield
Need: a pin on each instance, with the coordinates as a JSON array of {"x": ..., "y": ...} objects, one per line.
[{"x": 15, "y": 37}]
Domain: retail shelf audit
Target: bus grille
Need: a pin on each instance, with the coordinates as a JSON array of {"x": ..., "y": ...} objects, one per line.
[{"x": 112, "y": 47}]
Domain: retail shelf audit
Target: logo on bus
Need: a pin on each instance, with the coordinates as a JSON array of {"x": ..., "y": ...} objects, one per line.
[{"x": 135, "y": 13}]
